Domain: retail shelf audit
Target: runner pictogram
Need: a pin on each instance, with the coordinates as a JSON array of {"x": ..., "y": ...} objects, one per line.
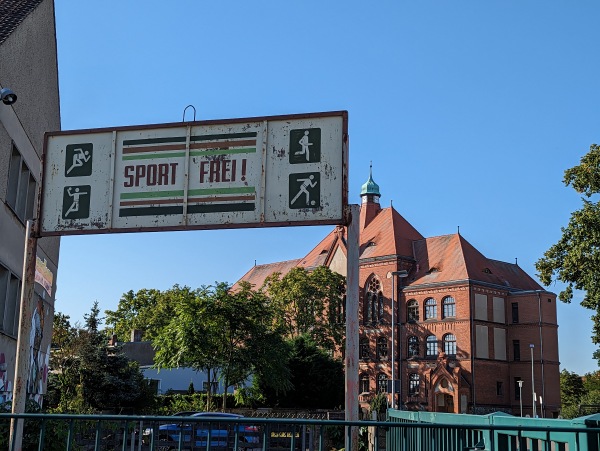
[
  {"x": 76, "y": 202},
  {"x": 78, "y": 160},
  {"x": 305, "y": 145},
  {"x": 305, "y": 190}
]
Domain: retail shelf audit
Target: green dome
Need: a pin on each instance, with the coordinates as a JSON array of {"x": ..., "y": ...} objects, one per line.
[{"x": 370, "y": 187}]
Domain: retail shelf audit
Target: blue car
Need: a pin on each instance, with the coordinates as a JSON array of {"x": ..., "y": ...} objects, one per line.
[{"x": 196, "y": 433}]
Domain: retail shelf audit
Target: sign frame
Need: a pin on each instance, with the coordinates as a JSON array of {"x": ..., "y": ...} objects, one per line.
[{"x": 342, "y": 219}]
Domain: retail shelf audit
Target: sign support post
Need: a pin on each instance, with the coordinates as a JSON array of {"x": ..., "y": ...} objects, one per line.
[
  {"x": 23, "y": 341},
  {"x": 352, "y": 328}
]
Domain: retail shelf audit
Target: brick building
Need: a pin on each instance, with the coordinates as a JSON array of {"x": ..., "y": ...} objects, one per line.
[{"x": 468, "y": 328}]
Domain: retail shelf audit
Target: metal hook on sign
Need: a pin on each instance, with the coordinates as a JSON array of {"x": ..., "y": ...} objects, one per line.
[{"x": 185, "y": 109}]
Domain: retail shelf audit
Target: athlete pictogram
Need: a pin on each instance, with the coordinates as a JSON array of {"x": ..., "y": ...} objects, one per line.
[
  {"x": 74, "y": 208},
  {"x": 79, "y": 158},
  {"x": 305, "y": 146}
]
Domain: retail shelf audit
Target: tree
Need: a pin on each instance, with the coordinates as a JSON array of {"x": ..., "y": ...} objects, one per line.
[
  {"x": 311, "y": 303},
  {"x": 90, "y": 375},
  {"x": 148, "y": 310},
  {"x": 227, "y": 334},
  {"x": 575, "y": 258},
  {"x": 571, "y": 392},
  {"x": 317, "y": 378}
]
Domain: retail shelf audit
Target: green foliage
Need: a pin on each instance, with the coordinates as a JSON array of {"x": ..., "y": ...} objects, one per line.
[
  {"x": 310, "y": 303},
  {"x": 575, "y": 258},
  {"x": 56, "y": 432},
  {"x": 317, "y": 378},
  {"x": 571, "y": 392},
  {"x": 379, "y": 404},
  {"x": 91, "y": 376}
]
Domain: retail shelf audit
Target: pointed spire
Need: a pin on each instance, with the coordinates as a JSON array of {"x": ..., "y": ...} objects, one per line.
[{"x": 370, "y": 187}]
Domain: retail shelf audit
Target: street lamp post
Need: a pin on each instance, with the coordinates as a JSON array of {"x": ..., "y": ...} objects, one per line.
[
  {"x": 391, "y": 275},
  {"x": 520, "y": 382},
  {"x": 531, "y": 346}
]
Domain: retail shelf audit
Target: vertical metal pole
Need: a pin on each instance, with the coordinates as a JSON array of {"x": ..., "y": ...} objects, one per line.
[
  {"x": 393, "y": 346},
  {"x": 23, "y": 341},
  {"x": 520, "y": 382},
  {"x": 531, "y": 346},
  {"x": 351, "y": 362}
]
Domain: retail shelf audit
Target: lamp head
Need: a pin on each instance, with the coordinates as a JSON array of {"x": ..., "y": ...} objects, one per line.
[{"x": 7, "y": 96}]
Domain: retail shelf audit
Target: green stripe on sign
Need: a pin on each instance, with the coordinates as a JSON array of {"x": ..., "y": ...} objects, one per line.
[
  {"x": 153, "y": 156},
  {"x": 223, "y": 136},
  {"x": 137, "y": 142},
  {"x": 212, "y": 191},
  {"x": 152, "y": 194},
  {"x": 207, "y": 153}
]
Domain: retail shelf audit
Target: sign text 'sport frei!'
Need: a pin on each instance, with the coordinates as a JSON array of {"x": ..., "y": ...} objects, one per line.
[{"x": 249, "y": 172}]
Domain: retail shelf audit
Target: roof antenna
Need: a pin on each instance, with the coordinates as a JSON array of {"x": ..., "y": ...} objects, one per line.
[
  {"x": 185, "y": 109},
  {"x": 516, "y": 261},
  {"x": 391, "y": 203},
  {"x": 458, "y": 232},
  {"x": 254, "y": 262}
]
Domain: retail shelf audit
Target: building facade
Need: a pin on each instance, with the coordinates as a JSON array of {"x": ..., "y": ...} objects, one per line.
[
  {"x": 28, "y": 67},
  {"x": 471, "y": 334}
]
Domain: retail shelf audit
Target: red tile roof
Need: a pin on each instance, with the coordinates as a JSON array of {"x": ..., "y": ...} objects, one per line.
[
  {"x": 441, "y": 259},
  {"x": 258, "y": 273}
]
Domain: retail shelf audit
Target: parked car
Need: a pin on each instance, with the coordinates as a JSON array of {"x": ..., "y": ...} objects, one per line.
[{"x": 222, "y": 433}]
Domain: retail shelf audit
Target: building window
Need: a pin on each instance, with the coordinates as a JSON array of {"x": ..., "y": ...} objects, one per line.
[
  {"x": 373, "y": 309},
  {"x": 412, "y": 311},
  {"x": 430, "y": 309},
  {"x": 449, "y": 307},
  {"x": 382, "y": 383},
  {"x": 499, "y": 388},
  {"x": 432, "y": 350},
  {"x": 515, "y": 312},
  {"x": 516, "y": 350},
  {"x": 413, "y": 384},
  {"x": 363, "y": 349},
  {"x": 10, "y": 287},
  {"x": 449, "y": 344},
  {"x": 363, "y": 385},
  {"x": 382, "y": 348},
  {"x": 22, "y": 187},
  {"x": 413, "y": 346}
]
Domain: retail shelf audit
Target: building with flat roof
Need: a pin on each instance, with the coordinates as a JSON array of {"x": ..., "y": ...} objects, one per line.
[{"x": 467, "y": 328}]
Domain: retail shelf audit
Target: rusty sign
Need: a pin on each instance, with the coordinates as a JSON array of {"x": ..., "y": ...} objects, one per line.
[{"x": 250, "y": 172}]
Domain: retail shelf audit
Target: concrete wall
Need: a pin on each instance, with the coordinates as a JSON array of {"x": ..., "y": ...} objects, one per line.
[{"x": 28, "y": 66}]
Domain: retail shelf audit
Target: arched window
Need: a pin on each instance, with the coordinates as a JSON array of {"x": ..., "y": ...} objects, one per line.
[
  {"x": 382, "y": 348},
  {"x": 413, "y": 384},
  {"x": 413, "y": 346},
  {"x": 373, "y": 302},
  {"x": 412, "y": 311},
  {"x": 449, "y": 307},
  {"x": 382, "y": 382},
  {"x": 449, "y": 341},
  {"x": 432, "y": 346},
  {"x": 363, "y": 349},
  {"x": 430, "y": 309},
  {"x": 363, "y": 384}
]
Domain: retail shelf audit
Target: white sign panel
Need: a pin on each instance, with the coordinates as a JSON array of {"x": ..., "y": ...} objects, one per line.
[{"x": 271, "y": 171}]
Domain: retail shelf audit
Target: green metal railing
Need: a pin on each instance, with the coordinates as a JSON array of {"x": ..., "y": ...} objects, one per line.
[
  {"x": 402, "y": 431},
  {"x": 424, "y": 431}
]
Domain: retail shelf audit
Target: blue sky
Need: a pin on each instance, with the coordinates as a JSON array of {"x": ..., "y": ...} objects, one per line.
[{"x": 470, "y": 112}]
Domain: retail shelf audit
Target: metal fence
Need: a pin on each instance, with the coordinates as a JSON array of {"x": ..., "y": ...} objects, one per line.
[{"x": 418, "y": 431}]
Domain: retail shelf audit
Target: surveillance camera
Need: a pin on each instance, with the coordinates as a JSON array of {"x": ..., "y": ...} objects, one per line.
[{"x": 7, "y": 96}]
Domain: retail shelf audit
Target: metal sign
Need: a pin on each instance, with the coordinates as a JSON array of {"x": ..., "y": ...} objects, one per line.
[{"x": 250, "y": 172}]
